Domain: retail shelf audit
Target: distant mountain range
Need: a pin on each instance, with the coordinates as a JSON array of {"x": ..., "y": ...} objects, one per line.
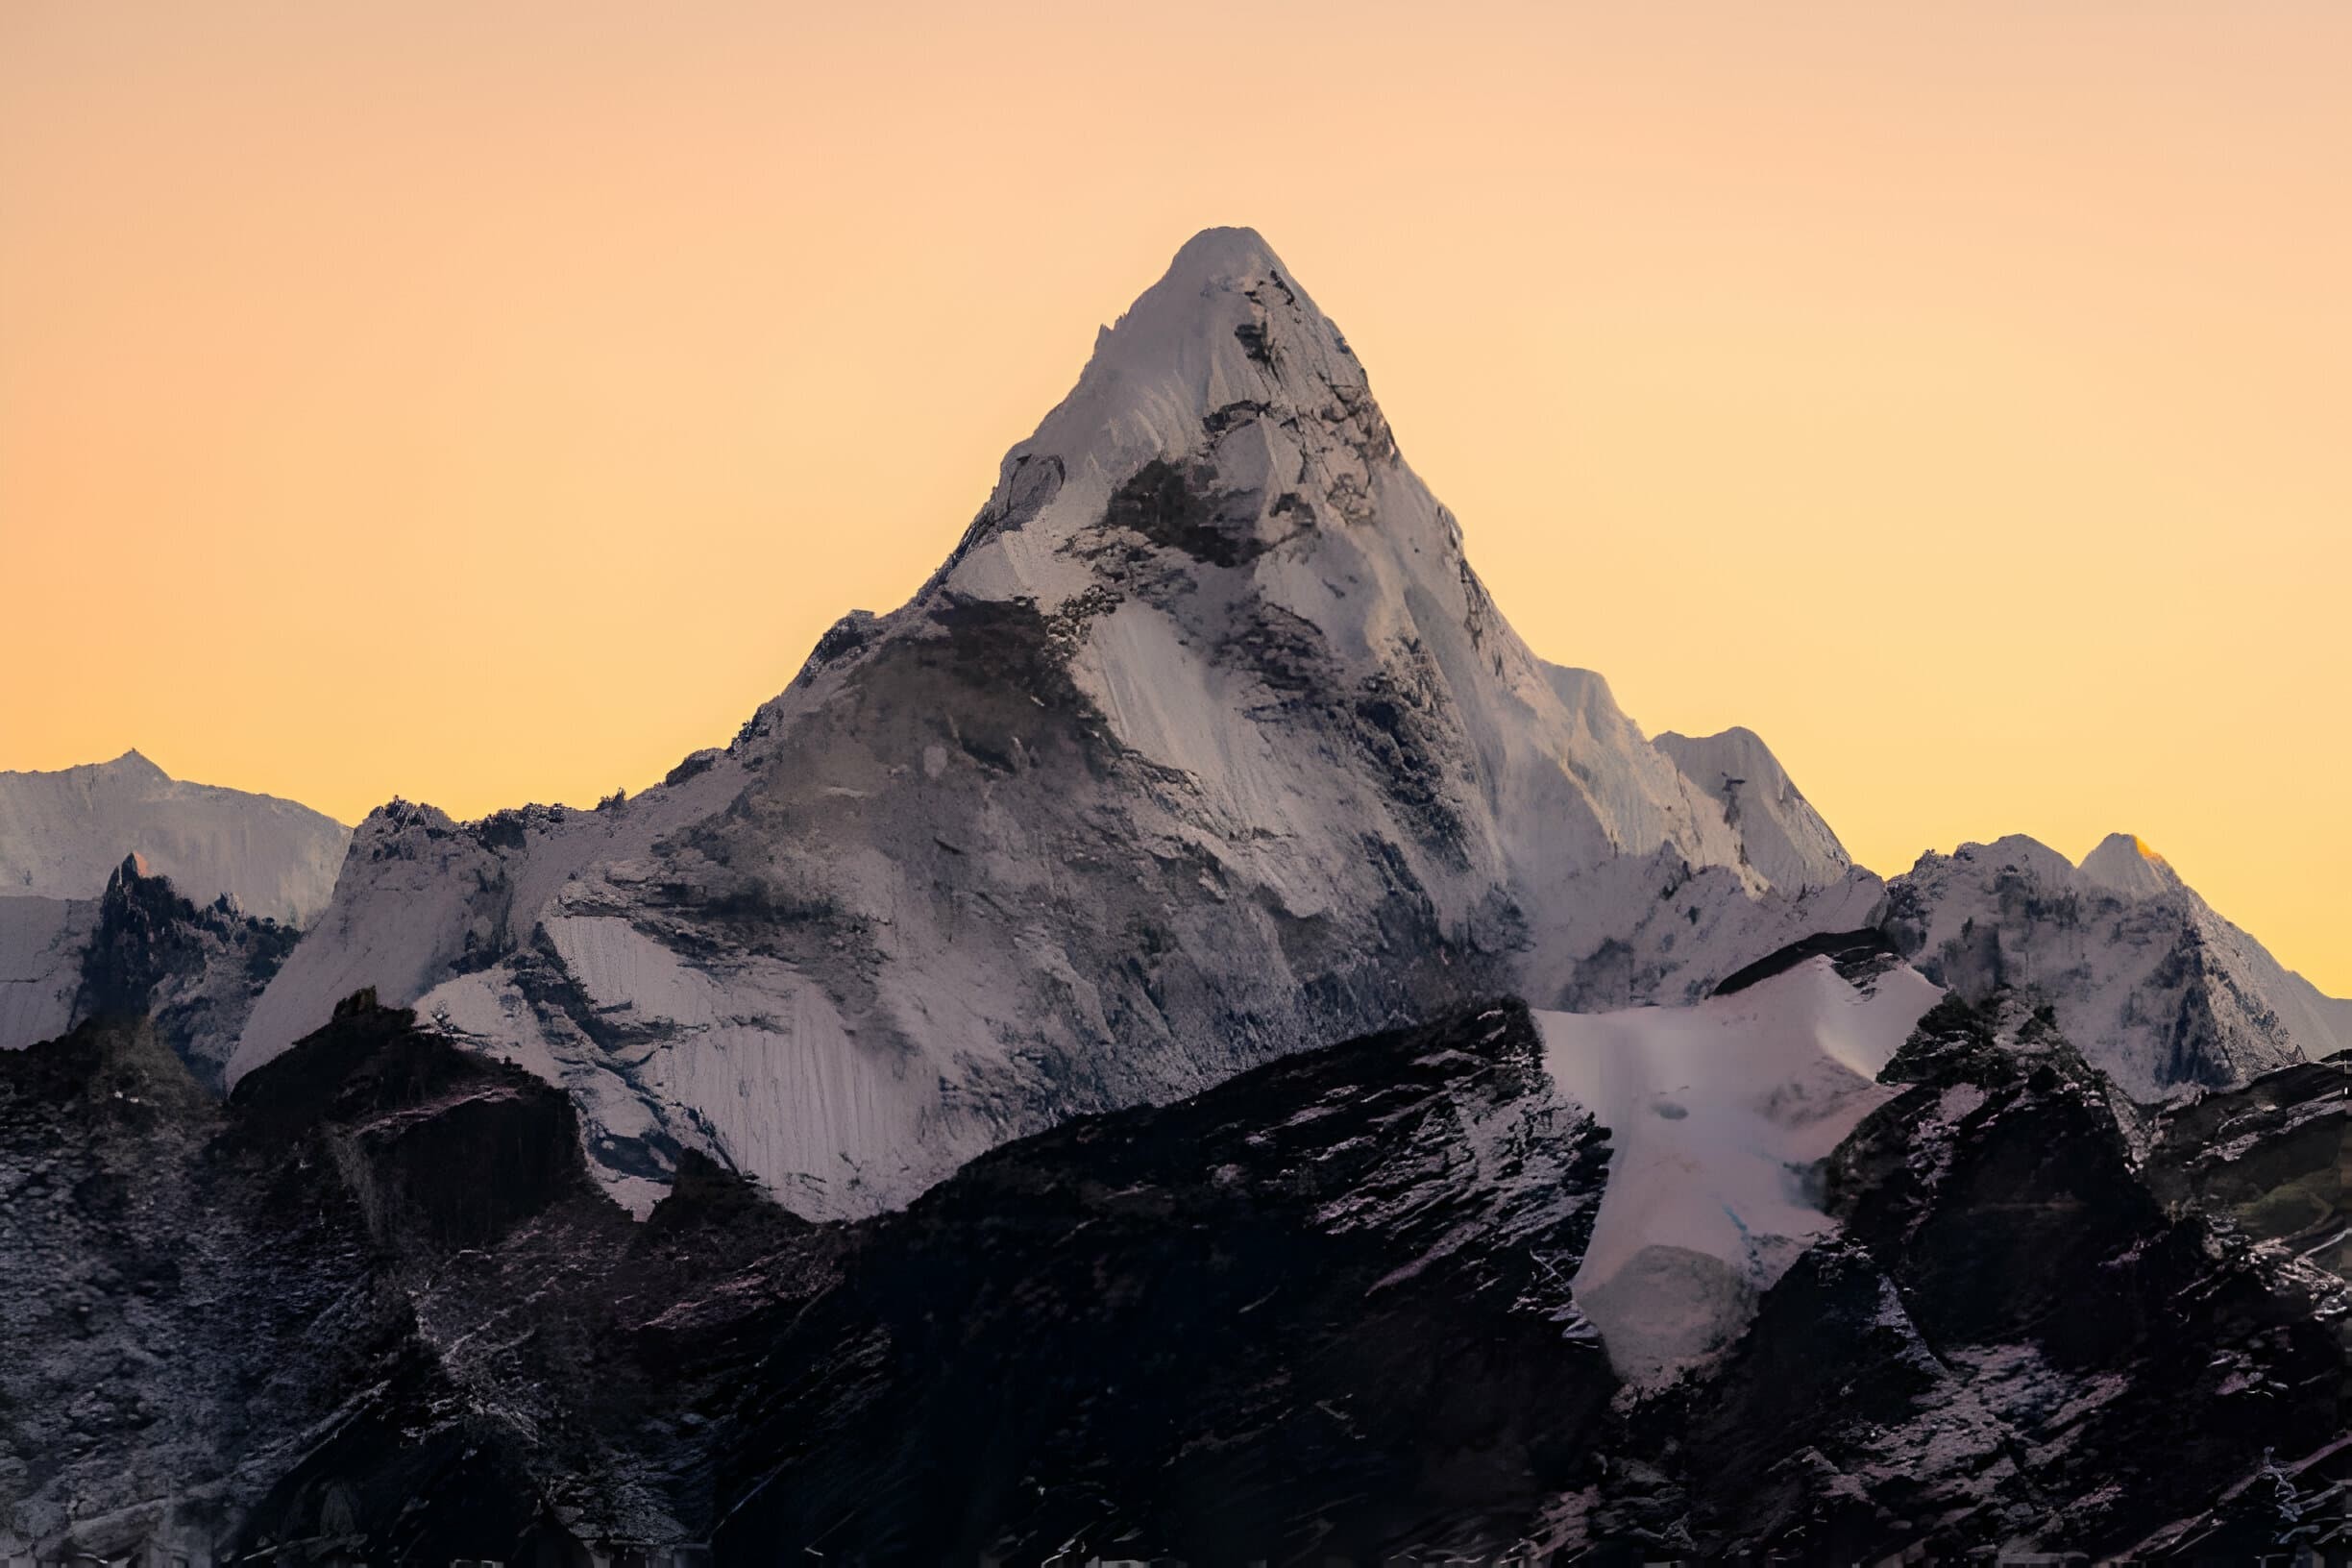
[
  {"x": 2159, "y": 990},
  {"x": 973, "y": 1018},
  {"x": 62, "y": 834},
  {"x": 105, "y": 866}
]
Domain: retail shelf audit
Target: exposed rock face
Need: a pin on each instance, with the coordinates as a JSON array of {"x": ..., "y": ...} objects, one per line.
[
  {"x": 139, "y": 952},
  {"x": 166, "y": 1318},
  {"x": 2272, "y": 1159},
  {"x": 2013, "y": 1345},
  {"x": 62, "y": 833},
  {"x": 284, "y": 1318},
  {"x": 194, "y": 973},
  {"x": 2162, "y": 994},
  {"x": 1205, "y": 745},
  {"x": 1325, "y": 1304},
  {"x": 374, "y": 1307}
]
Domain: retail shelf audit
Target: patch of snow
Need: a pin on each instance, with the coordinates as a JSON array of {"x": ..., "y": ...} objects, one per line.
[
  {"x": 1718, "y": 1114},
  {"x": 747, "y": 1062}
]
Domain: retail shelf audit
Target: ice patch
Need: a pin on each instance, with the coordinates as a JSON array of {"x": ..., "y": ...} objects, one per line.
[{"x": 1718, "y": 1114}]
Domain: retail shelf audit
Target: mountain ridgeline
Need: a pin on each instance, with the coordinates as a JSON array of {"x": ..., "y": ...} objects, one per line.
[
  {"x": 1185, "y": 1040},
  {"x": 62, "y": 833},
  {"x": 374, "y": 1307}
]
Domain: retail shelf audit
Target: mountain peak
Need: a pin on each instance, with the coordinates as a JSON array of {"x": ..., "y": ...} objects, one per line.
[
  {"x": 1782, "y": 835},
  {"x": 2125, "y": 864},
  {"x": 1225, "y": 373},
  {"x": 1220, "y": 254},
  {"x": 1208, "y": 678},
  {"x": 2152, "y": 984},
  {"x": 1226, "y": 325},
  {"x": 65, "y": 833}
]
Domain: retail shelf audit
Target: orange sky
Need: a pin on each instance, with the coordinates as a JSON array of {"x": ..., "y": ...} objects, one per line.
[{"x": 489, "y": 402}]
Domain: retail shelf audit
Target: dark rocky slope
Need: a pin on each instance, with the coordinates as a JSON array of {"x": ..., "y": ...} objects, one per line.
[
  {"x": 374, "y": 1309},
  {"x": 2016, "y": 1344},
  {"x": 194, "y": 970},
  {"x": 139, "y": 949},
  {"x": 1322, "y": 1306}
]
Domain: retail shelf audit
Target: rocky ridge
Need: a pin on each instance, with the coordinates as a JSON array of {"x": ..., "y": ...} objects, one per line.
[
  {"x": 139, "y": 952},
  {"x": 375, "y": 1307},
  {"x": 2164, "y": 995}
]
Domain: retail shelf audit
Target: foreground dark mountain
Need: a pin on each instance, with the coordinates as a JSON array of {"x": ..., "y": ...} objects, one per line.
[
  {"x": 374, "y": 1307},
  {"x": 1325, "y": 1303},
  {"x": 231, "y": 1321}
]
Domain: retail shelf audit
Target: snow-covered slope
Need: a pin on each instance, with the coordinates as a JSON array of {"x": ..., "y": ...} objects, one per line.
[
  {"x": 1717, "y": 1114},
  {"x": 63, "y": 833},
  {"x": 1783, "y": 837},
  {"x": 1205, "y": 745},
  {"x": 2157, "y": 990},
  {"x": 41, "y": 946}
]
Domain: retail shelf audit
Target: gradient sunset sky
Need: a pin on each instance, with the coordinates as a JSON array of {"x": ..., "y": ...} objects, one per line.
[{"x": 488, "y": 402}]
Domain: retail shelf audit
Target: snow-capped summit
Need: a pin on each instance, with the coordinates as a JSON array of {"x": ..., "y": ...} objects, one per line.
[
  {"x": 62, "y": 834},
  {"x": 2126, "y": 867},
  {"x": 1205, "y": 745},
  {"x": 2159, "y": 991},
  {"x": 1225, "y": 342}
]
